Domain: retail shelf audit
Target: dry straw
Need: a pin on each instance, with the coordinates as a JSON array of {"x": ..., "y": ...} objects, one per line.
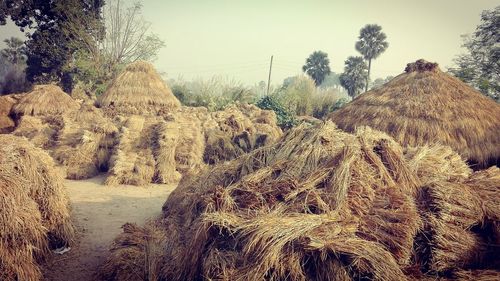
[
  {"x": 7, "y": 125},
  {"x": 34, "y": 209},
  {"x": 425, "y": 105},
  {"x": 45, "y": 100},
  {"x": 139, "y": 89}
]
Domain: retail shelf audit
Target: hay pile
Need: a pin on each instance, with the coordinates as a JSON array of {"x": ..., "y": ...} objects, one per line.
[
  {"x": 7, "y": 125},
  {"x": 44, "y": 100},
  {"x": 34, "y": 209},
  {"x": 85, "y": 142},
  {"x": 321, "y": 204},
  {"x": 139, "y": 89},
  {"x": 145, "y": 152},
  {"x": 425, "y": 105},
  {"x": 237, "y": 130}
]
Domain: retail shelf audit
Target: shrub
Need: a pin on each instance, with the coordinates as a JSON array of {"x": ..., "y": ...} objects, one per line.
[{"x": 286, "y": 119}]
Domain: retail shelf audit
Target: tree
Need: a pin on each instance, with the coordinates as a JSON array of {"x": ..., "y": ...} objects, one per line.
[
  {"x": 354, "y": 76},
  {"x": 480, "y": 67},
  {"x": 371, "y": 44},
  {"x": 379, "y": 82},
  {"x": 317, "y": 66},
  {"x": 128, "y": 37},
  {"x": 15, "y": 53}
]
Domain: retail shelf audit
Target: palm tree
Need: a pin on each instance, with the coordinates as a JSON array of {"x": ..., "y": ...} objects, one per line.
[
  {"x": 354, "y": 76},
  {"x": 317, "y": 66},
  {"x": 371, "y": 44}
]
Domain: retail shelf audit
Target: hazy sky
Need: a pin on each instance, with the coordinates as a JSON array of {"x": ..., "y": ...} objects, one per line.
[{"x": 236, "y": 38}]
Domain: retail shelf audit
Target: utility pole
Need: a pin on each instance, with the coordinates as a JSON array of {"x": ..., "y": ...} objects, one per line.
[{"x": 269, "y": 79}]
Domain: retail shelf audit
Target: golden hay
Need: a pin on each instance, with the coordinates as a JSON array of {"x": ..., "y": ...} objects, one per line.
[
  {"x": 34, "y": 209},
  {"x": 45, "y": 100},
  {"x": 42, "y": 131},
  {"x": 237, "y": 130},
  {"x": 299, "y": 209},
  {"x": 139, "y": 89},
  {"x": 7, "y": 125},
  {"x": 426, "y": 106},
  {"x": 85, "y": 143}
]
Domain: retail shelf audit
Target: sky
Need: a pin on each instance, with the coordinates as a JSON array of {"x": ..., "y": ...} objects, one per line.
[{"x": 235, "y": 38}]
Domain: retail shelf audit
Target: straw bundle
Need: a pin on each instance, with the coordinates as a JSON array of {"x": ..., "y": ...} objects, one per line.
[
  {"x": 425, "y": 105},
  {"x": 45, "y": 100},
  {"x": 7, "y": 125},
  {"x": 191, "y": 142},
  {"x": 42, "y": 131},
  {"x": 237, "y": 130},
  {"x": 295, "y": 210},
  {"x": 139, "y": 89},
  {"x": 164, "y": 151},
  {"x": 85, "y": 143},
  {"x": 34, "y": 210}
]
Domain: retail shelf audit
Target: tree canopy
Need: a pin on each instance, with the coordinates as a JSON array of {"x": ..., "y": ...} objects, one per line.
[
  {"x": 372, "y": 42},
  {"x": 317, "y": 66},
  {"x": 353, "y": 78}
]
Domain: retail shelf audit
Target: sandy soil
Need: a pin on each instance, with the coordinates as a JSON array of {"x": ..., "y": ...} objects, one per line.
[{"x": 98, "y": 212}]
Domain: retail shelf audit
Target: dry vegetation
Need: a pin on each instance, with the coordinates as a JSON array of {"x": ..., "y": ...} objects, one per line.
[{"x": 425, "y": 105}]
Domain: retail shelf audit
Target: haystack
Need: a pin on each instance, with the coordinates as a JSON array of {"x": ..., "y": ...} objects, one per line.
[
  {"x": 425, "y": 105},
  {"x": 45, "y": 100},
  {"x": 34, "y": 209},
  {"x": 139, "y": 89},
  {"x": 237, "y": 130},
  {"x": 322, "y": 204},
  {"x": 85, "y": 143},
  {"x": 145, "y": 152}
]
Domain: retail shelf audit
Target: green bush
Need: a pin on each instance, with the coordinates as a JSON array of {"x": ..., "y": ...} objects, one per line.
[{"x": 286, "y": 119}]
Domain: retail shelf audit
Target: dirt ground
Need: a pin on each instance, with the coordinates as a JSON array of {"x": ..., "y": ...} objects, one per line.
[{"x": 98, "y": 212}]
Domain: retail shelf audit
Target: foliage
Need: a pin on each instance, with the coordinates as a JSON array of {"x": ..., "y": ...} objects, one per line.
[
  {"x": 353, "y": 79},
  {"x": 13, "y": 65},
  {"x": 295, "y": 94},
  {"x": 286, "y": 119},
  {"x": 379, "y": 82},
  {"x": 371, "y": 44},
  {"x": 480, "y": 67},
  {"x": 214, "y": 94},
  {"x": 331, "y": 80},
  {"x": 325, "y": 101},
  {"x": 15, "y": 53},
  {"x": 317, "y": 66}
]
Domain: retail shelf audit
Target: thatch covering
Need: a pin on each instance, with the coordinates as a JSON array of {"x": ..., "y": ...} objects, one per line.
[
  {"x": 139, "y": 89},
  {"x": 34, "y": 209},
  {"x": 45, "y": 100},
  {"x": 425, "y": 105},
  {"x": 237, "y": 130},
  {"x": 321, "y": 204}
]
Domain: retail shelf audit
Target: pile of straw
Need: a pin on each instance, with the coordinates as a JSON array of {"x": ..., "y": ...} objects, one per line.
[
  {"x": 85, "y": 143},
  {"x": 139, "y": 89},
  {"x": 321, "y": 204},
  {"x": 7, "y": 125},
  {"x": 145, "y": 152},
  {"x": 425, "y": 105},
  {"x": 34, "y": 209},
  {"x": 44, "y": 100},
  {"x": 237, "y": 130}
]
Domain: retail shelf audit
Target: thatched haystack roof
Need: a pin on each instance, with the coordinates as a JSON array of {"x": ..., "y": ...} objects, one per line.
[
  {"x": 425, "y": 105},
  {"x": 320, "y": 204},
  {"x": 34, "y": 213},
  {"x": 45, "y": 100},
  {"x": 139, "y": 89}
]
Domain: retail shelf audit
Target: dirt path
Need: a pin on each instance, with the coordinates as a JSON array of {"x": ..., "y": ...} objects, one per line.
[{"x": 99, "y": 212}]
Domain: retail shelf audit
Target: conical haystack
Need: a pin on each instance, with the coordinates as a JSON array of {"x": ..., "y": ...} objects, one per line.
[
  {"x": 425, "y": 105},
  {"x": 45, "y": 100},
  {"x": 139, "y": 89}
]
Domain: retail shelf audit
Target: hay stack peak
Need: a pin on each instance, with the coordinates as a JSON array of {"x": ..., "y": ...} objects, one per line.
[
  {"x": 425, "y": 105},
  {"x": 139, "y": 89},
  {"x": 45, "y": 100}
]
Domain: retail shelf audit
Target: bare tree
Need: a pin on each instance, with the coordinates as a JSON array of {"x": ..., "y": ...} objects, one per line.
[{"x": 128, "y": 37}]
